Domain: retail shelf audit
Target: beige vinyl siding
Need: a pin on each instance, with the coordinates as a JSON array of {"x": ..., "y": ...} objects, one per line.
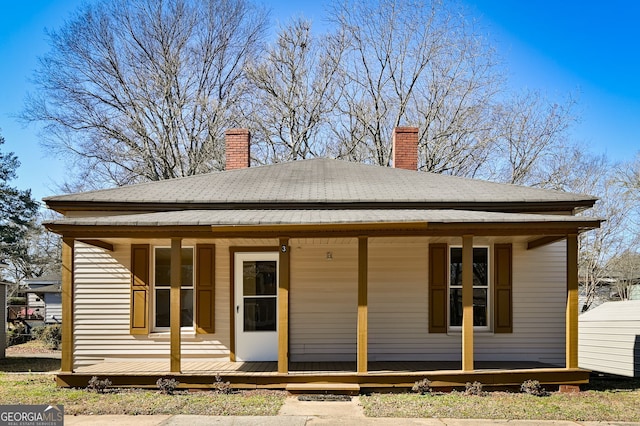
[
  {"x": 323, "y": 304},
  {"x": 323, "y": 300},
  {"x": 609, "y": 338},
  {"x": 101, "y": 314},
  {"x": 539, "y": 306},
  {"x": 398, "y": 306}
]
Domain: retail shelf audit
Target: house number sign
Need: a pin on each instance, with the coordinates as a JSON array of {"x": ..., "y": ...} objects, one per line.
[{"x": 283, "y": 248}]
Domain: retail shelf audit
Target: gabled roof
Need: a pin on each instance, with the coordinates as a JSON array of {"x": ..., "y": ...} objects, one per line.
[{"x": 318, "y": 184}]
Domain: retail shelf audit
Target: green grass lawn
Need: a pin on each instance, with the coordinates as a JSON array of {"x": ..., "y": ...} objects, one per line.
[
  {"x": 41, "y": 389},
  {"x": 605, "y": 400}
]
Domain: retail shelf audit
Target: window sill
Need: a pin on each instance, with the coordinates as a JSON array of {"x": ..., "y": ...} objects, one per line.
[
  {"x": 166, "y": 335},
  {"x": 459, "y": 332}
]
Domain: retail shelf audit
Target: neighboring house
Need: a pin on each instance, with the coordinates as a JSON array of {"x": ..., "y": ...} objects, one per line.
[
  {"x": 610, "y": 338},
  {"x": 321, "y": 274},
  {"x": 634, "y": 292},
  {"x": 3, "y": 320},
  {"x": 44, "y": 299}
]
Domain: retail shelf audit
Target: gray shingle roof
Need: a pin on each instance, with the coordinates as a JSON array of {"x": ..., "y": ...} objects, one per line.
[
  {"x": 320, "y": 181},
  {"x": 313, "y": 217}
]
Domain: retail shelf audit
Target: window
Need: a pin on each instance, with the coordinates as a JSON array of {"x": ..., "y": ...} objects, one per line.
[
  {"x": 480, "y": 287},
  {"x": 162, "y": 285}
]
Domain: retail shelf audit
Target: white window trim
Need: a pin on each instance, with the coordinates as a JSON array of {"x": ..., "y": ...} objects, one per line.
[
  {"x": 160, "y": 331},
  {"x": 480, "y": 328}
]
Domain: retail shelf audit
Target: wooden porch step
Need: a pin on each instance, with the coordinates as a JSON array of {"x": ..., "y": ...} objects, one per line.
[{"x": 323, "y": 386}]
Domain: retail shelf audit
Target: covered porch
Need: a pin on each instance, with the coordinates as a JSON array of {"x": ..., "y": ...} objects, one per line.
[{"x": 532, "y": 231}]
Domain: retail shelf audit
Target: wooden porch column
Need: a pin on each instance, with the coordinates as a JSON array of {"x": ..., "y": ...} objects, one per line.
[
  {"x": 467, "y": 303},
  {"x": 283, "y": 306},
  {"x": 67, "y": 305},
  {"x": 175, "y": 308},
  {"x": 572, "y": 302},
  {"x": 363, "y": 333}
]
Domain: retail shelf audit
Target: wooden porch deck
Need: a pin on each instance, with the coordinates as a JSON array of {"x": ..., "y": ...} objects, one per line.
[{"x": 316, "y": 376}]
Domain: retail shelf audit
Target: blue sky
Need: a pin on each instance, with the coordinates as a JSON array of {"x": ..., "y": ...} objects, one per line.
[{"x": 590, "y": 49}]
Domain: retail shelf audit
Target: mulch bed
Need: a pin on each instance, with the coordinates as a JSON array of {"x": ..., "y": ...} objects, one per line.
[{"x": 30, "y": 348}]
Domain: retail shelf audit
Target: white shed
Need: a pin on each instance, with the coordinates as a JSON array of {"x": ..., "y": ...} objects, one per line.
[{"x": 609, "y": 338}]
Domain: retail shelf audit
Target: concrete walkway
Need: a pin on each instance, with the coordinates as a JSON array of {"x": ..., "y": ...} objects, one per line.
[{"x": 309, "y": 413}]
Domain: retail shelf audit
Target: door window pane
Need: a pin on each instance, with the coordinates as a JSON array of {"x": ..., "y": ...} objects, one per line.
[
  {"x": 260, "y": 314},
  {"x": 259, "y": 278}
]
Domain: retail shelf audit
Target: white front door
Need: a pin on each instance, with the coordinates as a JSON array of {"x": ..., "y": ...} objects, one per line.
[{"x": 256, "y": 297}]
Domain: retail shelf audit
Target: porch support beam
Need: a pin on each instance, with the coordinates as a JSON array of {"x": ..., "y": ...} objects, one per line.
[
  {"x": 363, "y": 333},
  {"x": 572, "y": 302},
  {"x": 543, "y": 241},
  {"x": 67, "y": 305},
  {"x": 98, "y": 243},
  {"x": 467, "y": 303},
  {"x": 283, "y": 306},
  {"x": 175, "y": 308}
]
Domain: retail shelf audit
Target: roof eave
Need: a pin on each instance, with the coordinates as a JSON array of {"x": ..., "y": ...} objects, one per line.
[
  {"x": 570, "y": 207},
  {"x": 418, "y": 228}
]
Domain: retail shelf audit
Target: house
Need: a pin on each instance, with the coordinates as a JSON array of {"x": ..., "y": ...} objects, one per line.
[
  {"x": 610, "y": 338},
  {"x": 3, "y": 319},
  {"x": 44, "y": 299},
  {"x": 321, "y": 274}
]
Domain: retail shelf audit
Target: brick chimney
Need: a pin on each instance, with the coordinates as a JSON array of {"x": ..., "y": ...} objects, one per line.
[
  {"x": 405, "y": 148},
  {"x": 237, "y": 143}
]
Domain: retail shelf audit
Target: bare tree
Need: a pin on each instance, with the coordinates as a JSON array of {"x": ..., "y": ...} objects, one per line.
[
  {"x": 295, "y": 90},
  {"x": 628, "y": 176},
  {"x": 139, "y": 90},
  {"x": 414, "y": 63},
  {"x": 580, "y": 172},
  {"x": 39, "y": 254},
  {"x": 532, "y": 132},
  {"x": 625, "y": 269}
]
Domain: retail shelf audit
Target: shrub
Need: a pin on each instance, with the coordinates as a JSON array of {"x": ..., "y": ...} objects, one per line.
[
  {"x": 18, "y": 335},
  {"x": 221, "y": 387},
  {"x": 167, "y": 385},
  {"x": 474, "y": 388},
  {"x": 36, "y": 332},
  {"x": 423, "y": 387},
  {"x": 533, "y": 387},
  {"x": 98, "y": 386},
  {"x": 17, "y": 301},
  {"x": 50, "y": 335}
]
